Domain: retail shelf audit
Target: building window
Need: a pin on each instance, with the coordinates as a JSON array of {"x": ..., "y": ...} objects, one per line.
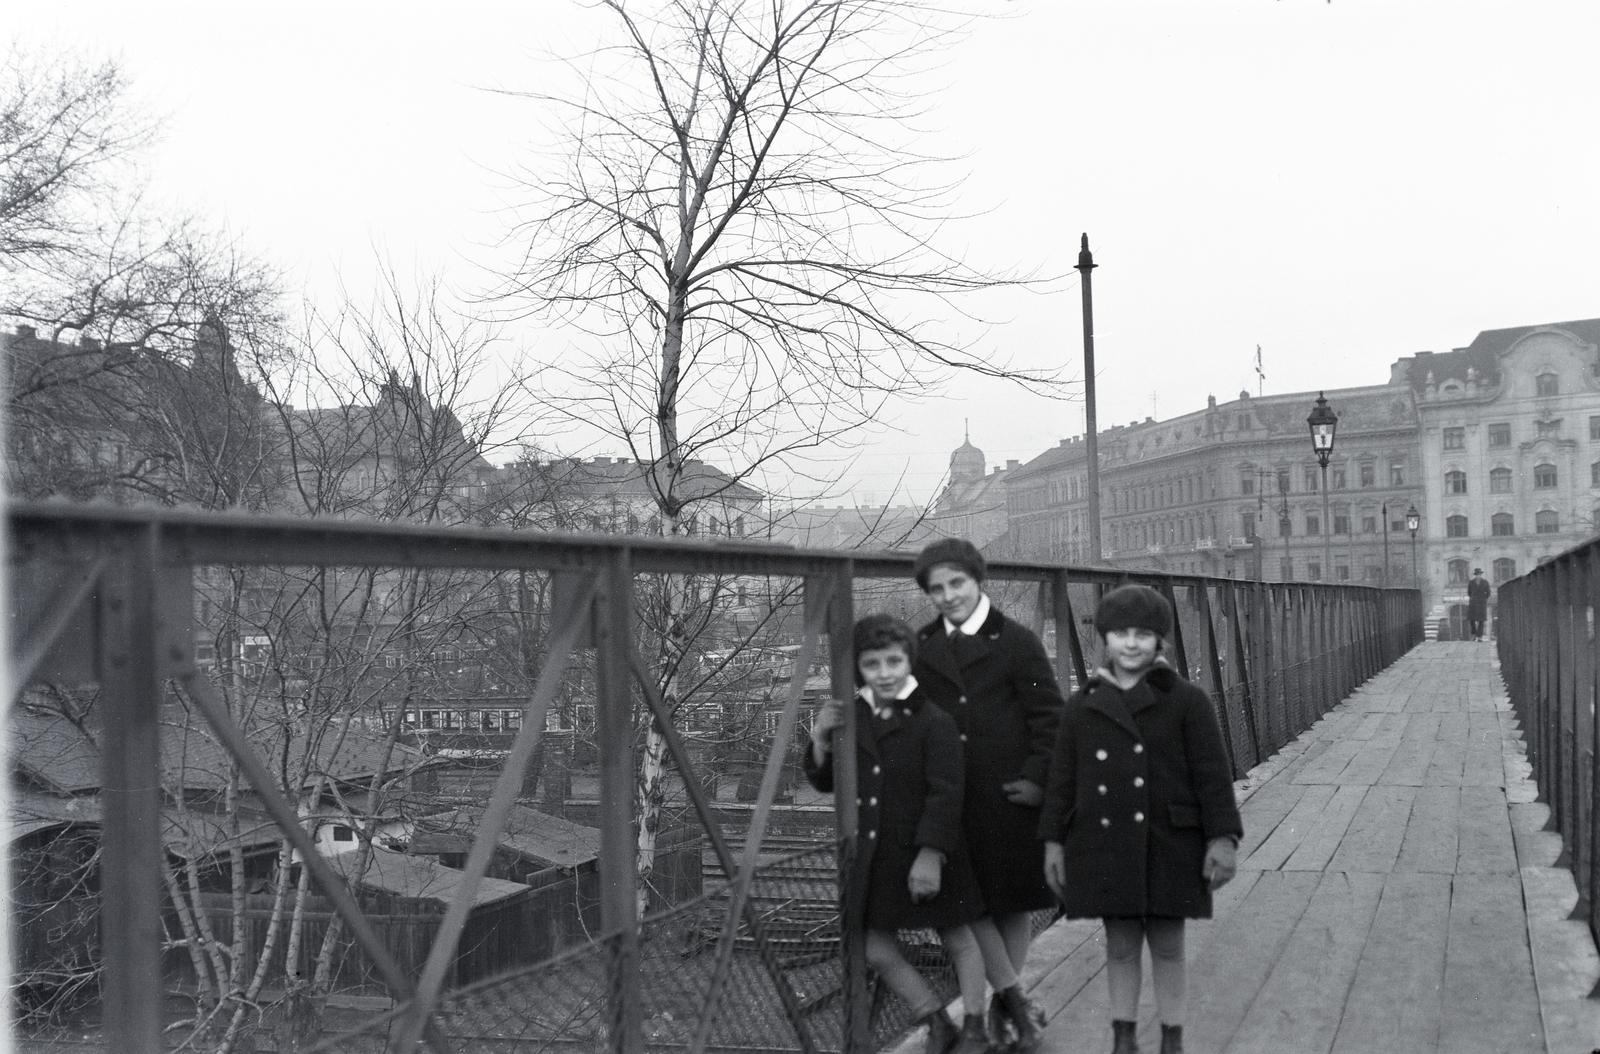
[
  {"x": 1500, "y": 481},
  {"x": 1247, "y": 482},
  {"x": 1505, "y": 569},
  {"x": 1397, "y": 473},
  {"x": 1283, "y": 481},
  {"x": 1547, "y": 521},
  {"x": 1369, "y": 525},
  {"x": 1311, "y": 479},
  {"x": 1457, "y": 572},
  {"x": 1455, "y": 438},
  {"x": 1455, "y": 526},
  {"x": 1341, "y": 523},
  {"x": 1341, "y": 572},
  {"x": 1502, "y": 524},
  {"x": 1397, "y": 525},
  {"x": 1373, "y": 572},
  {"x": 1547, "y": 384},
  {"x": 1339, "y": 481},
  {"x": 1544, "y": 476},
  {"x": 1286, "y": 569},
  {"x": 1594, "y": 474},
  {"x": 1369, "y": 475},
  {"x": 341, "y": 833},
  {"x": 1548, "y": 429},
  {"x": 1594, "y": 428},
  {"x": 1313, "y": 525},
  {"x": 1455, "y": 482},
  {"x": 1314, "y": 570},
  {"x": 1285, "y": 527},
  {"x": 1500, "y": 435}
]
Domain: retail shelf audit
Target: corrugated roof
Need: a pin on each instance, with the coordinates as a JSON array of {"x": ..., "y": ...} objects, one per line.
[
  {"x": 552, "y": 840},
  {"x": 420, "y": 877}
]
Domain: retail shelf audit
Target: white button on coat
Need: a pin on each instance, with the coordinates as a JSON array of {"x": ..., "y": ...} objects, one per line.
[
  {"x": 1105, "y": 821},
  {"x": 1101, "y": 755},
  {"x": 1138, "y": 817},
  {"x": 1138, "y": 748},
  {"x": 1138, "y": 781}
]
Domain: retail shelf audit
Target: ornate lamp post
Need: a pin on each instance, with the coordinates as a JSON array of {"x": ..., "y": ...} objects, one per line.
[
  {"x": 1413, "y": 521},
  {"x": 1324, "y": 423}
]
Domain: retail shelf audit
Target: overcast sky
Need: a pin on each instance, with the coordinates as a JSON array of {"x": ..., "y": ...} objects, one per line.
[{"x": 1339, "y": 183}]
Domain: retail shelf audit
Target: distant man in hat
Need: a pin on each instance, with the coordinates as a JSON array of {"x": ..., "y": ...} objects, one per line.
[{"x": 1477, "y": 602}]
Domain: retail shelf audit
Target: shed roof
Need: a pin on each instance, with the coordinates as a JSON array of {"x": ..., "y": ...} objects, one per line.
[
  {"x": 551, "y": 840},
  {"x": 420, "y": 877}
]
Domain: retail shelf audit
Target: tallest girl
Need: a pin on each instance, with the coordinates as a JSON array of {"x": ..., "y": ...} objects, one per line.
[{"x": 993, "y": 676}]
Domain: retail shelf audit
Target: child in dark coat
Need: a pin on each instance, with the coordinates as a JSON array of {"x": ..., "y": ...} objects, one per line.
[
  {"x": 913, "y": 862},
  {"x": 1139, "y": 821}
]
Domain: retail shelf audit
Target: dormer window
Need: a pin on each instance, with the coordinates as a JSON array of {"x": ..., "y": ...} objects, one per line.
[{"x": 1547, "y": 384}]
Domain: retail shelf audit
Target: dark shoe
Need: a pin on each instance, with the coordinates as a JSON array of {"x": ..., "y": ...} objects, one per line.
[
  {"x": 1027, "y": 1019},
  {"x": 973, "y": 1039},
  {"x": 998, "y": 1024},
  {"x": 1124, "y": 1037},
  {"x": 942, "y": 1034},
  {"x": 1171, "y": 1039}
]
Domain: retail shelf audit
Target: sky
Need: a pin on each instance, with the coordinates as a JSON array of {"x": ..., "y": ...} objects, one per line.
[{"x": 1337, "y": 183}]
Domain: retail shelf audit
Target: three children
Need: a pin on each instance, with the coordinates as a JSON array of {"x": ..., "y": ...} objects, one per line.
[{"x": 963, "y": 740}]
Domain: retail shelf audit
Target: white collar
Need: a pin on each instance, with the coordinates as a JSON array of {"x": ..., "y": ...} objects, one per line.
[
  {"x": 905, "y": 693},
  {"x": 975, "y": 621}
]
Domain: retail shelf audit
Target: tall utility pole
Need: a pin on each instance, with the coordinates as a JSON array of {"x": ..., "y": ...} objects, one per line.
[{"x": 1092, "y": 436}]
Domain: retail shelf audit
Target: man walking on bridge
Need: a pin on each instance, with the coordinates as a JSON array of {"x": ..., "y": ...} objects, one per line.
[{"x": 1477, "y": 602}]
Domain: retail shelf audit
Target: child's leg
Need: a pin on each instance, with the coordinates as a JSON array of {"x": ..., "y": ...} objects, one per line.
[
  {"x": 1016, "y": 930},
  {"x": 883, "y": 955},
  {"x": 1167, "y": 972},
  {"x": 996, "y": 956},
  {"x": 1124, "y": 943},
  {"x": 965, "y": 955}
]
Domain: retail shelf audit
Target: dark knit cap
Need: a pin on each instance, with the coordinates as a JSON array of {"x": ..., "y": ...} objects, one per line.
[
  {"x": 1133, "y": 607},
  {"x": 957, "y": 551}
]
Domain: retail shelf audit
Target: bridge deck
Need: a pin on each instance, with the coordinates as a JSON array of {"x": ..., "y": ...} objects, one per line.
[{"x": 1396, "y": 893}]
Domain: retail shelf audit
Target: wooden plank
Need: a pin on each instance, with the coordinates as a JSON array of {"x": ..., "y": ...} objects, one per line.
[
  {"x": 1431, "y": 841},
  {"x": 1484, "y": 764},
  {"x": 1565, "y": 962},
  {"x": 1395, "y": 1003},
  {"x": 1265, "y": 810},
  {"x": 1486, "y": 845},
  {"x": 1368, "y": 766},
  {"x": 1327, "y": 831},
  {"x": 1449, "y": 752},
  {"x": 1300, "y": 1005},
  {"x": 1327, "y": 767},
  {"x": 1226, "y": 975},
  {"x": 1372, "y": 842},
  {"x": 1409, "y": 766},
  {"x": 1491, "y": 1005},
  {"x": 1287, "y": 836}
]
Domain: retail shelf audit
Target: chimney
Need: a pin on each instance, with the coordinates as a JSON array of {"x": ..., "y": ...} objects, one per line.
[{"x": 1011, "y": 464}]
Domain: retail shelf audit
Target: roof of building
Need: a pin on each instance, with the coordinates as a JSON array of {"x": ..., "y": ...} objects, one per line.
[
  {"x": 419, "y": 877},
  {"x": 1482, "y": 355},
  {"x": 28, "y": 811},
  {"x": 551, "y": 840}
]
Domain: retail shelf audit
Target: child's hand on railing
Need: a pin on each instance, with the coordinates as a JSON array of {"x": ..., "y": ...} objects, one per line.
[
  {"x": 830, "y": 715},
  {"x": 925, "y": 874}
]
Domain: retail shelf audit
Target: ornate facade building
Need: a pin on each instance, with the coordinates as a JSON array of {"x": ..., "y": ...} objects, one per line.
[{"x": 1497, "y": 446}]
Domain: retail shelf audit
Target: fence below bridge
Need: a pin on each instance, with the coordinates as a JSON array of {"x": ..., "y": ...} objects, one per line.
[{"x": 755, "y": 961}]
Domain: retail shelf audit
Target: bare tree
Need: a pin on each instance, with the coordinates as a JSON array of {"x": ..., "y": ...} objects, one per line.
[{"x": 743, "y": 223}]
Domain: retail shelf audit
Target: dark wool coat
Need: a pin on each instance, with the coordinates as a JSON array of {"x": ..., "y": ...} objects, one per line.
[
  {"x": 1001, "y": 689},
  {"x": 1139, "y": 783},
  {"x": 909, "y": 774},
  {"x": 1478, "y": 599}
]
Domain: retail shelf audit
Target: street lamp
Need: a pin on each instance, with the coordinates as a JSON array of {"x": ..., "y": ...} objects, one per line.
[
  {"x": 1413, "y": 521},
  {"x": 1324, "y": 423}
]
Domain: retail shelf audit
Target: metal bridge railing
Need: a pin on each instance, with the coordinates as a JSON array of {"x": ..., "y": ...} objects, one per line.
[
  {"x": 1545, "y": 633},
  {"x": 756, "y": 959}
]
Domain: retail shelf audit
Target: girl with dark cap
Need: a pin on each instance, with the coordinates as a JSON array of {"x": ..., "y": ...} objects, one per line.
[
  {"x": 1139, "y": 821},
  {"x": 993, "y": 676}
]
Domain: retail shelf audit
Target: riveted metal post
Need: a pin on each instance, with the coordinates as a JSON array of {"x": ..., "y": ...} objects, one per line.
[{"x": 619, "y": 914}]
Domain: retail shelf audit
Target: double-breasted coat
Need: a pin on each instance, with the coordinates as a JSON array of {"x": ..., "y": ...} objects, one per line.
[
  {"x": 1478, "y": 591},
  {"x": 909, "y": 775},
  {"x": 999, "y": 686},
  {"x": 1139, "y": 783}
]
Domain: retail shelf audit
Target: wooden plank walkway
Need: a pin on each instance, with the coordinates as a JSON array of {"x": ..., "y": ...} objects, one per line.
[{"x": 1396, "y": 894}]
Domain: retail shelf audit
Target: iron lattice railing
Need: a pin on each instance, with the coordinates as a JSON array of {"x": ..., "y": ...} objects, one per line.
[
  {"x": 756, "y": 960},
  {"x": 1545, "y": 634}
]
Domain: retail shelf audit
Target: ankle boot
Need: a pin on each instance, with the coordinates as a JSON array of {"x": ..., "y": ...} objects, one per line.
[
  {"x": 1124, "y": 1037},
  {"x": 973, "y": 1039},
  {"x": 1171, "y": 1039},
  {"x": 998, "y": 1023},
  {"x": 942, "y": 1035},
  {"x": 1027, "y": 1019}
]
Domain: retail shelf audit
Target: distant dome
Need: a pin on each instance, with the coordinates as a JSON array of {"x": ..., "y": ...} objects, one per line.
[{"x": 967, "y": 463}]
